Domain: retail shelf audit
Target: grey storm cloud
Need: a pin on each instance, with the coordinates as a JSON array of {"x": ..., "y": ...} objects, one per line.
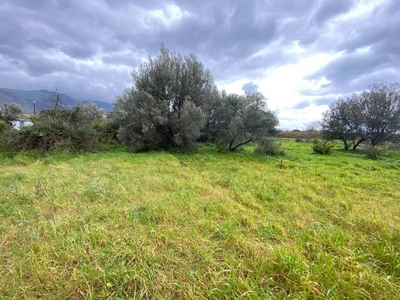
[
  {"x": 329, "y": 9},
  {"x": 317, "y": 101},
  {"x": 371, "y": 52},
  {"x": 250, "y": 86},
  {"x": 88, "y": 48},
  {"x": 302, "y": 104}
]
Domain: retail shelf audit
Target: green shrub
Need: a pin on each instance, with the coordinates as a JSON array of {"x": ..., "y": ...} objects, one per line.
[
  {"x": 268, "y": 146},
  {"x": 374, "y": 152},
  {"x": 59, "y": 129},
  {"x": 33, "y": 118},
  {"x": 221, "y": 146},
  {"x": 322, "y": 147},
  {"x": 3, "y": 125},
  {"x": 6, "y": 139},
  {"x": 48, "y": 135}
]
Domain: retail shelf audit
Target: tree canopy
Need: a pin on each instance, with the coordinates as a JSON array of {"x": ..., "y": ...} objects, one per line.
[
  {"x": 169, "y": 104},
  {"x": 373, "y": 116},
  {"x": 174, "y": 103},
  {"x": 243, "y": 119},
  {"x": 13, "y": 110}
]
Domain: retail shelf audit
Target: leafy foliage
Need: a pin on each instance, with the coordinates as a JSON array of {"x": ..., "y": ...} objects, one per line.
[
  {"x": 44, "y": 136},
  {"x": 3, "y": 125},
  {"x": 322, "y": 147},
  {"x": 268, "y": 146},
  {"x": 15, "y": 110},
  {"x": 344, "y": 121},
  {"x": 171, "y": 100},
  {"x": 11, "y": 111},
  {"x": 58, "y": 128},
  {"x": 89, "y": 113},
  {"x": 381, "y": 110},
  {"x": 243, "y": 119},
  {"x": 375, "y": 151},
  {"x": 174, "y": 103},
  {"x": 373, "y": 115}
]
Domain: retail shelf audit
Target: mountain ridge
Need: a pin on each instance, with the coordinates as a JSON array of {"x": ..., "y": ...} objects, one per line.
[{"x": 25, "y": 99}]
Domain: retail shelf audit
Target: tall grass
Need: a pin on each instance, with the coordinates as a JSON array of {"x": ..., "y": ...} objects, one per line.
[{"x": 200, "y": 225}]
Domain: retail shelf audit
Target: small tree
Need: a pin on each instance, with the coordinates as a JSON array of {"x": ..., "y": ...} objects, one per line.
[
  {"x": 344, "y": 121},
  {"x": 372, "y": 115},
  {"x": 311, "y": 129},
  {"x": 243, "y": 119},
  {"x": 13, "y": 110},
  {"x": 381, "y": 110},
  {"x": 89, "y": 113},
  {"x": 56, "y": 110}
]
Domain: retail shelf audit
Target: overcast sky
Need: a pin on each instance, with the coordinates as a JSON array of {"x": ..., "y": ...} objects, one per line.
[{"x": 301, "y": 54}]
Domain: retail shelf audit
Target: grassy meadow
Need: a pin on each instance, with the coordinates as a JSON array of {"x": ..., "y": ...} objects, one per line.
[{"x": 204, "y": 225}]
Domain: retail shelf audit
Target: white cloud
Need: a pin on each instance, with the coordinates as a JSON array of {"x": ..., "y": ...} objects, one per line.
[
  {"x": 296, "y": 118},
  {"x": 169, "y": 16},
  {"x": 283, "y": 86}
]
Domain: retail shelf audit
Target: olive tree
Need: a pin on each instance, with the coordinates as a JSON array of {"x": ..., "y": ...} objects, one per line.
[
  {"x": 241, "y": 119},
  {"x": 89, "y": 113},
  {"x": 13, "y": 110},
  {"x": 373, "y": 116},
  {"x": 344, "y": 121},
  {"x": 173, "y": 97},
  {"x": 381, "y": 111}
]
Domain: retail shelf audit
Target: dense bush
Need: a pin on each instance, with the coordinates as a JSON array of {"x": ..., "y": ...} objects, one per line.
[
  {"x": 45, "y": 136},
  {"x": 58, "y": 128},
  {"x": 269, "y": 146},
  {"x": 13, "y": 110},
  {"x": 3, "y": 125},
  {"x": 374, "y": 152},
  {"x": 322, "y": 147}
]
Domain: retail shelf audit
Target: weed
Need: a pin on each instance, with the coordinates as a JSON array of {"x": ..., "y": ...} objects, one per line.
[{"x": 117, "y": 225}]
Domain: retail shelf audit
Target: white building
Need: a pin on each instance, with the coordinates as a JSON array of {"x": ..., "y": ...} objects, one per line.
[{"x": 17, "y": 124}]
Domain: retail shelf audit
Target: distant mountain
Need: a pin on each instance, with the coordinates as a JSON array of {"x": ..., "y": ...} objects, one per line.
[{"x": 25, "y": 98}]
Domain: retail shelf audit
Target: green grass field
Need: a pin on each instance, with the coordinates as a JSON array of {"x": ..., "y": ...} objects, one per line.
[{"x": 205, "y": 225}]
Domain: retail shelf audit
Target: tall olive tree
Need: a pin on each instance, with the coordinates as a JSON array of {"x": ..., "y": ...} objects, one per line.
[{"x": 171, "y": 101}]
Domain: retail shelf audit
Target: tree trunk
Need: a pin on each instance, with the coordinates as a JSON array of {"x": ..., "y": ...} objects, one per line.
[
  {"x": 358, "y": 143},
  {"x": 241, "y": 144},
  {"x": 346, "y": 145}
]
